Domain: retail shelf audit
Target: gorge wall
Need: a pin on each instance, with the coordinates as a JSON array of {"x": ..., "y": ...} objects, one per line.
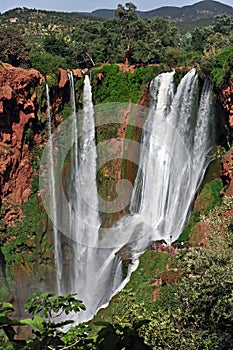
[
  {"x": 22, "y": 138},
  {"x": 18, "y": 111}
]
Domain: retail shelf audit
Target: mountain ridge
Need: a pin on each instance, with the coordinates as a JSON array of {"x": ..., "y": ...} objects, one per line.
[{"x": 199, "y": 10}]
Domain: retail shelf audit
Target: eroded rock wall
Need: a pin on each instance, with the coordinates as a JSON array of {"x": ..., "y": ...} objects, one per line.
[{"x": 18, "y": 107}]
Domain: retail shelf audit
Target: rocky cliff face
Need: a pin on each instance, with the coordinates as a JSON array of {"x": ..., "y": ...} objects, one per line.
[
  {"x": 25, "y": 242},
  {"x": 221, "y": 218},
  {"x": 226, "y": 98},
  {"x": 18, "y": 108},
  {"x": 22, "y": 116}
]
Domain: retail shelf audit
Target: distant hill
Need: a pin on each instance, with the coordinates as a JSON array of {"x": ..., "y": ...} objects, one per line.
[{"x": 200, "y": 10}]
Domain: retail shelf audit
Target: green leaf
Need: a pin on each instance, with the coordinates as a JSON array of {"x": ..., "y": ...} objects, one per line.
[
  {"x": 37, "y": 322},
  {"x": 8, "y": 306}
]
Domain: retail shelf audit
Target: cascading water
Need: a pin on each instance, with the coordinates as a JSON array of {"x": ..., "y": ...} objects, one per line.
[
  {"x": 96, "y": 272},
  {"x": 175, "y": 148},
  {"x": 85, "y": 221},
  {"x": 52, "y": 187},
  {"x": 174, "y": 156}
]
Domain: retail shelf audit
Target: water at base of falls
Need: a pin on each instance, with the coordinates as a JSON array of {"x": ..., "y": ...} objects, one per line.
[{"x": 176, "y": 141}]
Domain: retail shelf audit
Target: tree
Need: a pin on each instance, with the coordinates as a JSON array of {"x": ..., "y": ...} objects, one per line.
[
  {"x": 215, "y": 43},
  {"x": 120, "y": 12},
  {"x": 46, "y": 322},
  {"x": 13, "y": 48},
  {"x": 223, "y": 24},
  {"x": 56, "y": 46},
  {"x": 206, "y": 291},
  {"x": 48, "y": 64},
  {"x": 131, "y": 10},
  {"x": 128, "y": 12}
]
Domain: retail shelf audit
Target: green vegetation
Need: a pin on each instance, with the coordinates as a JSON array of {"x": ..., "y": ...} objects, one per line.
[
  {"x": 138, "y": 293},
  {"x": 222, "y": 71},
  {"x": 46, "y": 309},
  {"x": 48, "y": 40},
  {"x": 122, "y": 87},
  {"x": 188, "y": 312},
  {"x": 190, "y": 309},
  {"x": 13, "y": 48},
  {"x": 208, "y": 198}
]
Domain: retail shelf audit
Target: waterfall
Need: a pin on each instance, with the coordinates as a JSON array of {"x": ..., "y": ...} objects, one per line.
[
  {"x": 52, "y": 188},
  {"x": 74, "y": 112},
  {"x": 176, "y": 142},
  {"x": 161, "y": 93},
  {"x": 85, "y": 221},
  {"x": 95, "y": 273}
]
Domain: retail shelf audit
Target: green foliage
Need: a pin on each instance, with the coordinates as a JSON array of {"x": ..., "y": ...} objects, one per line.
[
  {"x": 87, "y": 43},
  {"x": 48, "y": 64},
  {"x": 28, "y": 136},
  {"x": 208, "y": 198},
  {"x": 46, "y": 332},
  {"x": 222, "y": 72},
  {"x": 190, "y": 58},
  {"x": 223, "y": 24},
  {"x": 47, "y": 305},
  {"x": 117, "y": 86},
  {"x": 127, "y": 12},
  {"x": 135, "y": 302},
  {"x": 79, "y": 336},
  {"x": 116, "y": 337},
  {"x": 13, "y": 48},
  {"x": 55, "y": 46},
  {"x": 60, "y": 40},
  {"x": 66, "y": 112},
  {"x": 46, "y": 310},
  {"x": 172, "y": 56},
  {"x": 206, "y": 291},
  {"x": 195, "y": 312}
]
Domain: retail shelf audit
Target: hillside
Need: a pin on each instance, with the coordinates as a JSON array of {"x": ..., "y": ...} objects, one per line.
[{"x": 202, "y": 9}]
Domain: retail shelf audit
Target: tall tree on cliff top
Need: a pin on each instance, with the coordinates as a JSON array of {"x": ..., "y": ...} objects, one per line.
[{"x": 127, "y": 12}]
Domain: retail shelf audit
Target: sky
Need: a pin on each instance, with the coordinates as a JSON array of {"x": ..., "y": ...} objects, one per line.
[{"x": 90, "y": 5}]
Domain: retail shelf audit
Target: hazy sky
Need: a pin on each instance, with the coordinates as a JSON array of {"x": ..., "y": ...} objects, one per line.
[{"x": 89, "y": 5}]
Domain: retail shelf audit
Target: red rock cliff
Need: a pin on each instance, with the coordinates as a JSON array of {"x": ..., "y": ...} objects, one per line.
[
  {"x": 17, "y": 108},
  {"x": 226, "y": 98}
]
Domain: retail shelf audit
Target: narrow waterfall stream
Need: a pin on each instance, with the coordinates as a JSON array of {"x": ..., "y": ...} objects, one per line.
[
  {"x": 57, "y": 240},
  {"x": 85, "y": 221}
]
